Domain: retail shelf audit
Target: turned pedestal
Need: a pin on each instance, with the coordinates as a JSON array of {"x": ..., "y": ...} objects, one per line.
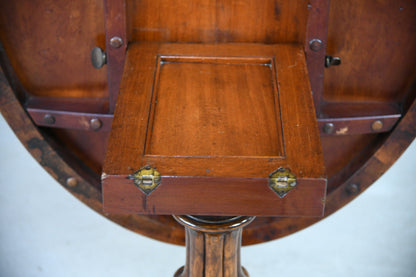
[{"x": 213, "y": 246}]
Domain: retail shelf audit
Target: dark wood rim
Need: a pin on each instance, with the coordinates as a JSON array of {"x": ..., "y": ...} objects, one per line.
[
  {"x": 86, "y": 187},
  {"x": 362, "y": 174}
]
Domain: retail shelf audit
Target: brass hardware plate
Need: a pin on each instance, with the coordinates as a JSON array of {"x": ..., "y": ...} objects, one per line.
[
  {"x": 281, "y": 181},
  {"x": 146, "y": 179}
]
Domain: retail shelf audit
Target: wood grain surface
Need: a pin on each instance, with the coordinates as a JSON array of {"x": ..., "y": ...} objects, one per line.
[
  {"x": 229, "y": 113},
  {"x": 214, "y": 108},
  {"x": 300, "y": 135},
  {"x": 48, "y": 43},
  {"x": 367, "y": 35},
  {"x": 217, "y": 21}
]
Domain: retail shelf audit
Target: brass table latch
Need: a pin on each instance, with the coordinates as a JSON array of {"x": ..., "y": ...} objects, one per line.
[
  {"x": 146, "y": 179},
  {"x": 281, "y": 181}
]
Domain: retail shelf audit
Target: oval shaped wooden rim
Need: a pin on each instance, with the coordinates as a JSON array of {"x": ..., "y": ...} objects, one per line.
[{"x": 164, "y": 228}]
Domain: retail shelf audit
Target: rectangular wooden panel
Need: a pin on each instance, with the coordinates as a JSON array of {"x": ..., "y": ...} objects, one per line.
[
  {"x": 197, "y": 112},
  {"x": 215, "y": 120}
]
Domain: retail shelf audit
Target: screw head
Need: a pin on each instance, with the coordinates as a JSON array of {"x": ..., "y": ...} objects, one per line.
[
  {"x": 116, "y": 42},
  {"x": 353, "y": 188},
  {"x": 49, "y": 119},
  {"x": 328, "y": 128},
  {"x": 96, "y": 124},
  {"x": 315, "y": 44},
  {"x": 377, "y": 125},
  {"x": 71, "y": 182}
]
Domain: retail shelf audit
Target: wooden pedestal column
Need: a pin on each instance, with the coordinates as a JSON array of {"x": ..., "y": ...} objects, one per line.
[{"x": 213, "y": 246}]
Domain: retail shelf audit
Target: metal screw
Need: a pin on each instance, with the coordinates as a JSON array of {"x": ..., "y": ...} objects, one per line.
[
  {"x": 353, "y": 188},
  {"x": 116, "y": 42},
  {"x": 315, "y": 44},
  {"x": 71, "y": 182},
  {"x": 377, "y": 125},
  {"x": 96, "y": 124},
  {"x": 49, "y": 119},
  {"x": 328, "y": 128}
]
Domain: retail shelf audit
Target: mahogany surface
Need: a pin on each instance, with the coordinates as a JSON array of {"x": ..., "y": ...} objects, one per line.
[
  {"x": 48, "y": 44},
  {"x": 294, "y": 110},
  {"x": 274, "y": 21},
  {"x": 217, "y": 119},
  {"x": 378, "y": 43}
]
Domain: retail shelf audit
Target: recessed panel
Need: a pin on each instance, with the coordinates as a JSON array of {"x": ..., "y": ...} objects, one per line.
[{"x": 215, "y": 107}]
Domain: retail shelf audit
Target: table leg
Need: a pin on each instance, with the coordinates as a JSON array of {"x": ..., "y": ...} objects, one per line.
[{"x": 213, "y": 246}]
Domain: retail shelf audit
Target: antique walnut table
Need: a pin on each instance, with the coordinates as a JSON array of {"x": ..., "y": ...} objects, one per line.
[{"x": 247, "y": 121}]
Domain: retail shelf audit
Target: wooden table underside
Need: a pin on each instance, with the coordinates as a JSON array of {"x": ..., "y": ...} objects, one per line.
[{"x": 373, "y": 83}]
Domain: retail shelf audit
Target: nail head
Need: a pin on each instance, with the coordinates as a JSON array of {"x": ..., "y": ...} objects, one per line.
[
  {"x": 71, "y": 182},
  {"x": 328, "y": 128},
  {"x": 116, "y": 42},
  {"x": 377, "y": 125},
  {"x": 49, "y": 119},
  {"x": 315, "y": 44},
  {"x": 353, "y": 188},
  {"x": 96, "y": 124}
]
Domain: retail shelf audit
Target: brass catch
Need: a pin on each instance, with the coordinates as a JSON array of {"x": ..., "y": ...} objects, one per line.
[
  {"x": 281, "y": 181},
  {"x": 146, "y": 179}
]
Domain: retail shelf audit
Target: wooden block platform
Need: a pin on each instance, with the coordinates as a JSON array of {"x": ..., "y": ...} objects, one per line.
[{"x": 215, "y": 121}]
